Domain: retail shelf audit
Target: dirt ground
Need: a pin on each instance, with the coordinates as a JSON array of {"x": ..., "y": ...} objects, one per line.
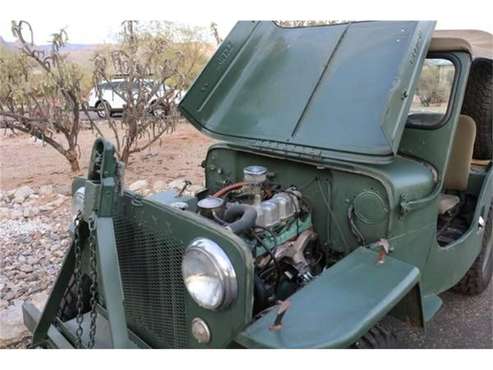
[{"x": 24, "y": 161}]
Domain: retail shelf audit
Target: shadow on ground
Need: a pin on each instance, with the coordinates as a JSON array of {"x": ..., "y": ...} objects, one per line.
[{"x": 462, "y": 322}]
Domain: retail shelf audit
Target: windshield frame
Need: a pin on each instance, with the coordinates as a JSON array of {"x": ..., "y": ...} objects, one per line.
[{"x": 453, "y": 92}]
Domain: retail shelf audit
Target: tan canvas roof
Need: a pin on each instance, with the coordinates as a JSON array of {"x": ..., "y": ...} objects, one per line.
[{"x": 478, "y": 43}]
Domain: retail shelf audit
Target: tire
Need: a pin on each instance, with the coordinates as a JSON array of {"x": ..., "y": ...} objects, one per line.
[
  {"x": 478, "y": 105},
  {"x": 378, "y": 337},
  {"x": 478, "y": 277},
  {"x": 102, "y": 108},
  {"x": 159, "y": 110}
]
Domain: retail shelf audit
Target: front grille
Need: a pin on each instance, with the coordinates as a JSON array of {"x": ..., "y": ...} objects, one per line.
[{"x": 150, "y": 265}]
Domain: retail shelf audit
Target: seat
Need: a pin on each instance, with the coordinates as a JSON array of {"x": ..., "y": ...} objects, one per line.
[
  {"x": 459, "y": 165},
  {"x": 447, "y": 203},
  {"x": 481, "y": 162}
]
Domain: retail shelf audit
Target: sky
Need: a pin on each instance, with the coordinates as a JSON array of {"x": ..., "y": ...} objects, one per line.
[
  {"x": 97, "y": 33},
  {"x": 103, "y": 32}
]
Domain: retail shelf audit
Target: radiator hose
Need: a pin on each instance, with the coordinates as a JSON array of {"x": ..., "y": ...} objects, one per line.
[{"x": 240, "y": 218}]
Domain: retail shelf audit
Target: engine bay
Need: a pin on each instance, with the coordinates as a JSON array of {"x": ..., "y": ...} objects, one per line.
[
  {"x": 296, "y": 219},
  {"x": 275, "y": 221}
]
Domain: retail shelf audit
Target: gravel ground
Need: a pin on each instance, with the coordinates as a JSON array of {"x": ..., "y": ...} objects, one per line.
[{"x": 33, "y": 239}]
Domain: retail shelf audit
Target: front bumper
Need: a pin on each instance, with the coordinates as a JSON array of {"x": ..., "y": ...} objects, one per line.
[{"x": 62, "y": 334}]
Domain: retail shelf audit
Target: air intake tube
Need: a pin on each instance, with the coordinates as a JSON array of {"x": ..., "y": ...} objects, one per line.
[{"x": 240, "y": 217}]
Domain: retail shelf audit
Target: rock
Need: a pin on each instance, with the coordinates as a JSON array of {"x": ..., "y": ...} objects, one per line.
[
  {"x": 59, "y": 253},
  {"x": 138, "y": 185},
  {"x": 39, "y": 300},
  {"x": 3, "y": 282},
  {"x": 12, "y": 329},
  {"x": 46, "y": 208},
  {"x": 65, "y": 189},
  {"x": 11, "y": 294},
  {"x": 16, "y": 213},
  {"x": 55, "y": 204},
  {"x": 193, "y": 189},
  {"x": 30, "y": 212},
  {"x": 22, "y": 193},
  {"x": 26, "y": 268},
  {"x": 177, "y": 184},
  {"x": 4, "y": 212},
  {"x": 159, "y": 186},
  {"x": 46, "y": 189}
]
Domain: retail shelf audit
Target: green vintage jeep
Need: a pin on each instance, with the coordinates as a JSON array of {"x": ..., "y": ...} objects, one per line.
[{"x": 353, "y": 181}]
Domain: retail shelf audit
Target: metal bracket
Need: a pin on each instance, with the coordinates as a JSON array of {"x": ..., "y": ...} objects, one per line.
[
  {"x": 110, "y": 279},
  {"x": 103, "y": 182}
]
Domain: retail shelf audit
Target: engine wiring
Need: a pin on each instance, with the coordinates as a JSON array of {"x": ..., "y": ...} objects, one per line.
[{"x": 332, "y": 215}]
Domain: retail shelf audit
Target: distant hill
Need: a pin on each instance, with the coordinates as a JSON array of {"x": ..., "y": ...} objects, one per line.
[{"x": 77, "y": 53}]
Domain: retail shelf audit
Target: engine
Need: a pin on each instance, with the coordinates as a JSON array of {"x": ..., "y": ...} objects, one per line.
[{"x": 275, "y": 221}]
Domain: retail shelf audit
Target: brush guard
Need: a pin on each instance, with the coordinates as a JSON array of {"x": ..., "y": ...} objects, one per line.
[{"x": 95, "y": 225}]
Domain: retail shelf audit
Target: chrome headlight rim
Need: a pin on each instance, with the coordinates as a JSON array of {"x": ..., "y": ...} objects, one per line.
[{"x": 222, "y": 265}]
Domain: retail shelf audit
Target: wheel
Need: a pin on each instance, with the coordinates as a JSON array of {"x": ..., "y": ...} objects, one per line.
[
  {"x": 478, "y": 277},
  {"x": 103, "y": 109},
  {"x": 377, "y": 337},
  {"x": 159, "y": 110},
  {"x": 478, "y": 105}
]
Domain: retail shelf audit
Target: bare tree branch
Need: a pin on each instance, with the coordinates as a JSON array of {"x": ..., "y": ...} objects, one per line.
[
  {"x": 138, "y": 61},
  {"x": 41, "y": 93}
]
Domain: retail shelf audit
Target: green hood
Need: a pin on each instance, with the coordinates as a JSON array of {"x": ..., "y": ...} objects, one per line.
[{"x": 340, "y": 91}]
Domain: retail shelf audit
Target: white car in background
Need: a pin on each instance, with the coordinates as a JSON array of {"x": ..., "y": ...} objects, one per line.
[{"x": 110, "y": 98}]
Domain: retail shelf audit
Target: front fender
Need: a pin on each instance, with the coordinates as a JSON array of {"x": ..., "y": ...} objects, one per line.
[{"x": 340, "y": 306}]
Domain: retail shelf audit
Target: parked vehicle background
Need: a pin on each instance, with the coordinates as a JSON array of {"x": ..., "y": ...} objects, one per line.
[{"x": 109, "y": 97}]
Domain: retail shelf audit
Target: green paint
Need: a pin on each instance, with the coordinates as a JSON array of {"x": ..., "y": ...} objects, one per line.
[
  {"x": 285, "y": 233},
  {"x": 324, "y": 109},
  {"x": 336, "y": 309},
  {"x": 296, "y": 91}
]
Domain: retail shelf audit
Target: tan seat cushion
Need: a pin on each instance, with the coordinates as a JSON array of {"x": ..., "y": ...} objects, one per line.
[
  {"x": 447, "y": 202},
  {"x": 459, "y": 166},
  {"x": 481, "y": 163}
]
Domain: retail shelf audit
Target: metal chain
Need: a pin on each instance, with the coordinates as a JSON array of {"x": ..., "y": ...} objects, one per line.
[
  {"x": 78, "y": 281},
  {"x": 94, "y": 282},
  {"x": 64, "y": 304}
]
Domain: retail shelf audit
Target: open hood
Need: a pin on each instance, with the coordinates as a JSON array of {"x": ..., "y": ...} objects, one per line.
[{"x": 340, "y": 91}]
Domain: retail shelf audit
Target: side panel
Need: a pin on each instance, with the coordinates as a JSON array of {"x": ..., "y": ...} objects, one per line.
[{"x": 447, "y": 265}]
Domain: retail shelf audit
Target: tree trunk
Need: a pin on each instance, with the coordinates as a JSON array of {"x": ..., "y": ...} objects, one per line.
[
  {"x": 74, "y": 165},
  {"x": 71, "y": 156},
  {"x": 125, "y": 156}
]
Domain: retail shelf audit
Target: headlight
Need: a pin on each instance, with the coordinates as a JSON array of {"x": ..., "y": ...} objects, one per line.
[
  {"x": 78, "y": 200},
  {"x": 209, "y": 274}
]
